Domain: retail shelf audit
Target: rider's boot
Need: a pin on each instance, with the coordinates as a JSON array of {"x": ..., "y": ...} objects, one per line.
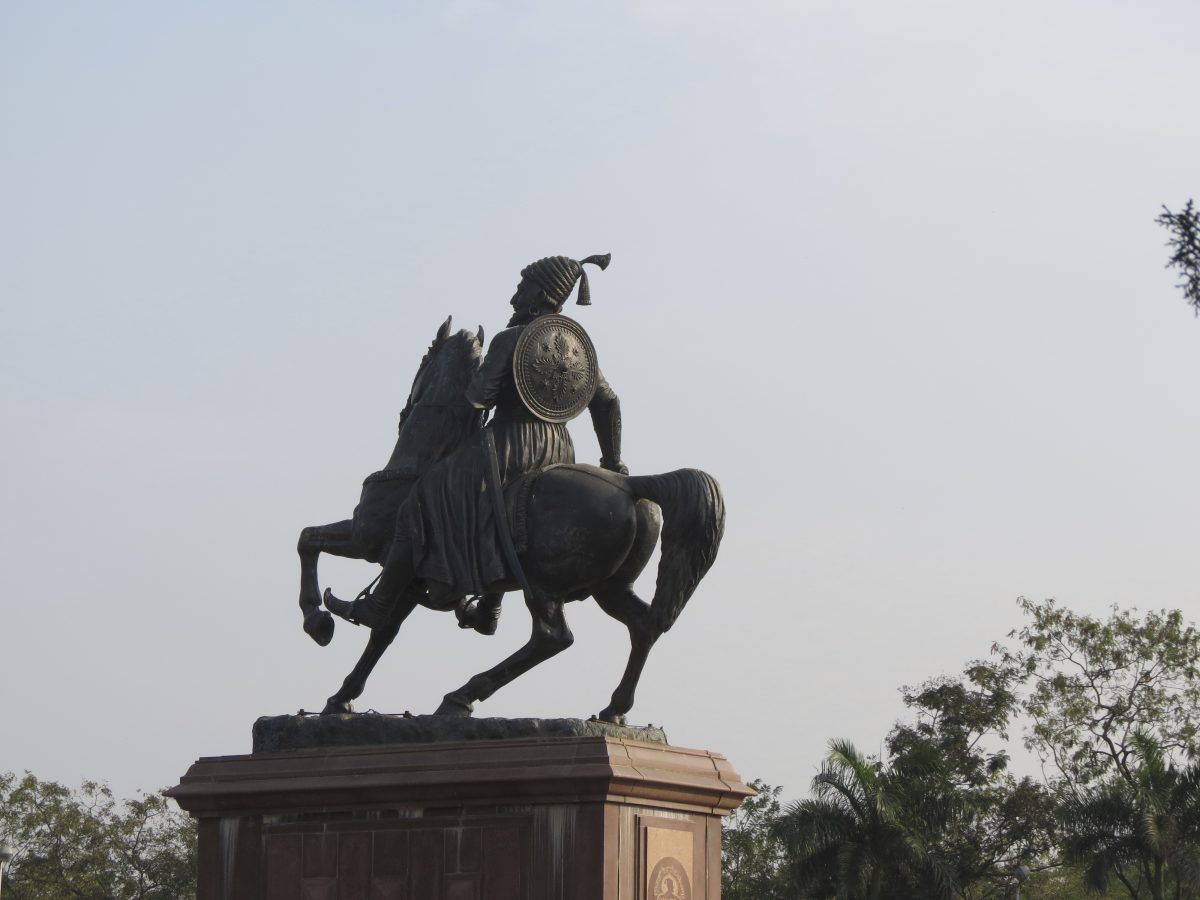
[
  {"x": 373, "y": 608},
  {"x": 481, "y": 613},
  {"x": 366, "y": 609}
]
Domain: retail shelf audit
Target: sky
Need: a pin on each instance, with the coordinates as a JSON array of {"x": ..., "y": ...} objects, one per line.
[{"x": 888, "y": 271}]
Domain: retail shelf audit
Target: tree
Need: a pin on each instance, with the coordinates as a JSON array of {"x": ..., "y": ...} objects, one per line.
[
  {"x": 941, "y": 817},
  {"x": 1066, "y": 882},
  {"x": 1111, "y": 706},
  {"x": 1185, "y": 246},
  {"x": 1096, "y": 684},
  {"x": 983, "y": 821},
  {"x": 1143, "y": 832},
  {"x": 1114, "y": 706},
  {"x": 85, "y": 845},
  {"x": 859, "y": 837},
  {"x": 751, "y": 851}
]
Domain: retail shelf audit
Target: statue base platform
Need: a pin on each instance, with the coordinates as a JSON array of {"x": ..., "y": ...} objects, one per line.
[{"x": 459, "y": 809}]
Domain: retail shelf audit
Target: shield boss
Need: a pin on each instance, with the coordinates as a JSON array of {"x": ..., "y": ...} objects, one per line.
[{"x": 554, "y": 367}]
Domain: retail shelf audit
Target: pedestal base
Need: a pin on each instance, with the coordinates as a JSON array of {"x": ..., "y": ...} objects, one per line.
[{"x": 569, "y": 818}]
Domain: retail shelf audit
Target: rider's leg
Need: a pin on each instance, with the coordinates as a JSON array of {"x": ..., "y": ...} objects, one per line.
[{"x": 374, "y": 608}]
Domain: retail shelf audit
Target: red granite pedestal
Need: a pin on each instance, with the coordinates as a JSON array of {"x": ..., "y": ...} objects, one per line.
[{"x": 566, "y": 818}]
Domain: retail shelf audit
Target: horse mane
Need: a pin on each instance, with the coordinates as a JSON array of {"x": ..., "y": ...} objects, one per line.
[
  {"x": 460, "y": 335},
  {"x": 420, "y": 368}
]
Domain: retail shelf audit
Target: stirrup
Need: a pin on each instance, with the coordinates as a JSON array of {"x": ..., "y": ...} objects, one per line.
[
  {"x": 465, "y": 612},
  {"x": 362, "y": 601},
  {"x": 469, "y": 616}
]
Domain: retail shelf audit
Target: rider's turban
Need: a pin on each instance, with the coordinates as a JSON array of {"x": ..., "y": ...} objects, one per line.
[{"x": 556, "y": 275}]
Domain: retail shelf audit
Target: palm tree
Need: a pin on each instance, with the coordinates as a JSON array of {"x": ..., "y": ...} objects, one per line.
[
  {"x": 1140, "y": 827},
  {"x": 860, "y": 836}
]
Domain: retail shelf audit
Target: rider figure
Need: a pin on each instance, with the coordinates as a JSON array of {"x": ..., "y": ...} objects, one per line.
[
  {"x": 524, "y": 442},
  {"x": 446, "y": 530}
]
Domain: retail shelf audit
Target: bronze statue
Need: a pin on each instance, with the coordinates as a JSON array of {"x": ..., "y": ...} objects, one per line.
[{"x": 466, "y": 509}]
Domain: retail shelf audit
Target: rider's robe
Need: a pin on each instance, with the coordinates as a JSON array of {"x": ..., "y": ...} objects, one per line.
[{"x": 448, "y": 519}]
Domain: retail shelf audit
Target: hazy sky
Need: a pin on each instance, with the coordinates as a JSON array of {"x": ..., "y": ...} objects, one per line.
[{"x": 887, "y": 270}]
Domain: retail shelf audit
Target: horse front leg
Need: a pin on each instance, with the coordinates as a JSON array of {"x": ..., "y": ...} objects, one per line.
[
  {"x": 381, "y": 638},
  {"x": 337, "y": 539},
  {"x": 550, "y": 636},
  {"x": 626, "y": 607}
]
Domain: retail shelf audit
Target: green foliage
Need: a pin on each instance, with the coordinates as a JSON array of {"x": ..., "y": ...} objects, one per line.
[
  {"x": 955, "y": 716},
  {"x": 863, "y": 833},
  {"x": 1066, "y": 883},
  {"x": 751, "y": 851},
  {"x": 941, "y": 817},
  {"x": 85, "y": 845},
  {"x": 1185, "y": 249},
  {"x": 1143, "y": 832},
  {"x": 986, "y": 821},
  {"x": 1110, "y": 705},
  {"x": 1098, "y": 683}
]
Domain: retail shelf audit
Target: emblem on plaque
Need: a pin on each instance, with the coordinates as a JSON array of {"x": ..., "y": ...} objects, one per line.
[
  {"x": 668, "y": 881},
  {"x": 554, "y": 367}
]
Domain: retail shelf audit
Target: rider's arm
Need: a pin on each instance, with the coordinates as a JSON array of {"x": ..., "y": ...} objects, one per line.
[
  {"x": 606, "y": 419},
  {"x": 496, "y": 368}
]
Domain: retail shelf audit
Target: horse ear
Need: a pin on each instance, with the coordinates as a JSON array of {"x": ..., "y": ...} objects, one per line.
[
  {"x": 479, "y": 335},
  {"x": 444, "y": 331}
]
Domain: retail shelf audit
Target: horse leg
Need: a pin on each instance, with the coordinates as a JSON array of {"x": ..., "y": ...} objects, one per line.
[
  {"x": 338, "y": 539},
  {"x": 550, "y": 636},
  {"x": 620, "y": 602},
  {"x": 381, "y": 638}
]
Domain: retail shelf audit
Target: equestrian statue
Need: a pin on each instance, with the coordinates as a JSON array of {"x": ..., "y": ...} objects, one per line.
[{"x": 465, "y": 511}]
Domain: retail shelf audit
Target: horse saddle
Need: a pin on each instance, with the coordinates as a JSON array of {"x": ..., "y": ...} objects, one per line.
[{"x": 516, "y": 502}]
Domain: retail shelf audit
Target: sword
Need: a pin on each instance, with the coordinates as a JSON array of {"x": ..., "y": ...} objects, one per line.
[{"x": 500, "y": 513}]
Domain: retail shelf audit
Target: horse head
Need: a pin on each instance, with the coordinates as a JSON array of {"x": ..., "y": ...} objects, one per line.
[
  {"x": 448, "y": 367},
  {"x": 438, "y": 416}
]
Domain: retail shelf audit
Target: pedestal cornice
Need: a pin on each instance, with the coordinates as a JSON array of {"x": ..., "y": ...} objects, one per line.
[{"x": 463, "y": 774}]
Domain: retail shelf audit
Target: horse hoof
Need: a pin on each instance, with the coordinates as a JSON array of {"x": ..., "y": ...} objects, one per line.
[
  {"x": 612, "y": 718},
  {"x": 318, "y": 625},
  {"x": 454, "y": 705},
  {"x": 335, "y": 706}
]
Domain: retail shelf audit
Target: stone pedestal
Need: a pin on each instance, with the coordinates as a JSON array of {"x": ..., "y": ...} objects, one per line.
[{"x": 582, "y": 814}]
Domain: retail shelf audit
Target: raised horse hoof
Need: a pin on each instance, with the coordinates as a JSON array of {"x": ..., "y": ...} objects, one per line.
[
  {"x": 318, "y": 625},
  {"x": 335, "y": 706},
  {"x": 612, "y": 718},
  {"x": 455, "y": 705}
]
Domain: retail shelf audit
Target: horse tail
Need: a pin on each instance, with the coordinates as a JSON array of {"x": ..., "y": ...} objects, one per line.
[{"x": 693, "y": 524}]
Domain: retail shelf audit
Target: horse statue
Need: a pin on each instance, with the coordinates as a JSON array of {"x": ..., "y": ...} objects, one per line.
[{"x": 590, "y": 533}]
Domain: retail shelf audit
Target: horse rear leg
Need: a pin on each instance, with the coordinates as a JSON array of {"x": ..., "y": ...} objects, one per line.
[
  {"x": 381, "y": 638},
  {"x": 550, "y": 636},
  {"x": 337, "y": 539},
  {"x": 620, "y": 602}
]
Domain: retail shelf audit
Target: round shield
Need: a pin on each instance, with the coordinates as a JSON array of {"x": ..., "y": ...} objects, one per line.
[{"x": 554, "y": 367}]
